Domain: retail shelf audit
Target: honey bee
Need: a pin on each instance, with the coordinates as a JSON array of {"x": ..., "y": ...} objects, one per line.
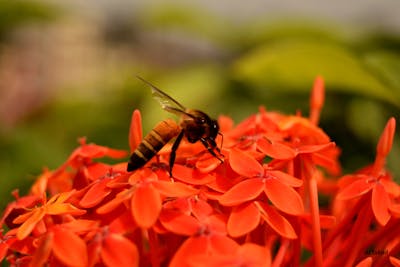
[{"x": 194, "y": 125}]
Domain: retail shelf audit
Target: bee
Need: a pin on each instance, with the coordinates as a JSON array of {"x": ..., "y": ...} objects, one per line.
[{"x": 194, "y": 125}]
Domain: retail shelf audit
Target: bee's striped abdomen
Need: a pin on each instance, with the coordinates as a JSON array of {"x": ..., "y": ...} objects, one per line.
[{"x": 152, "y": 143}]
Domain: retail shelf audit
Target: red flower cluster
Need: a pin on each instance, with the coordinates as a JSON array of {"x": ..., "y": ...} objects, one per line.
[{"x": 258, "y": 208}]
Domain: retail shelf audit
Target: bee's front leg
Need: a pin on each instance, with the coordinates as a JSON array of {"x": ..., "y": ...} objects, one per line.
[
  {"x": 211, "y": 145},
  {"x": 173, "y": 152}
]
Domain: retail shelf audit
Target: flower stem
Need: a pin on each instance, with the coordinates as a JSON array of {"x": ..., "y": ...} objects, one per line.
[
  {"x": 355, "y": 242},
  {"x": 344, "y": 223},
  {"x": 154, "y": 248},
  {"x": 316, "y": 225},
  {"x": 280, "y": 256}
]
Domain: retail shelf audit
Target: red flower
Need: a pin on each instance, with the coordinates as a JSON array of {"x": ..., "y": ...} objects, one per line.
[
  {"x": 146, "y": 187},
  {"x": 375, "y": 179},
  {"x": 206, "y": 229},
  {"x": 276, "y": 184},
  {"x": 66, "y": 246},
  {"x": 55, "y": 206},
  {"x": 248, "y": 254},
  {"x": 260, "y": 207}
]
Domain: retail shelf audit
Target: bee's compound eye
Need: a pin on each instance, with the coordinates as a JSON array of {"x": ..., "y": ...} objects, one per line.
[{"x": 216, "y": 126}]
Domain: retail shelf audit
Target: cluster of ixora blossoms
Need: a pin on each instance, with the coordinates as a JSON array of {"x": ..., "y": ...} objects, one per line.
[{"x": 257, "y": 208}]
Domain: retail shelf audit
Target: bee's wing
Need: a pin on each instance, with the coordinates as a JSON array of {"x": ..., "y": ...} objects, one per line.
[{"x": 167, "y": 103}]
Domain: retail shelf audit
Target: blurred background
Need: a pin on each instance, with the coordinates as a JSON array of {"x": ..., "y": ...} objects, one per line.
[{"x": 67, "y": 70}]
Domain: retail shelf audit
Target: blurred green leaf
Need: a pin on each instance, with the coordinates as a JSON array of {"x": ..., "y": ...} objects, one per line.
[
  {"x": 386, "y": 64},
  {"x": 264, "y": 31},
  {"x": 293, "y": 64},
  {"x": 18, "y": 12}
]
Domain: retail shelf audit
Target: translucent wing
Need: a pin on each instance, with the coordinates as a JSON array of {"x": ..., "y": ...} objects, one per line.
[{"x": 167, "y": 103}]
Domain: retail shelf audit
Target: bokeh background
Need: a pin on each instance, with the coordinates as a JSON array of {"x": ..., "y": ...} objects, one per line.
[{"x": 67, "y": 70}]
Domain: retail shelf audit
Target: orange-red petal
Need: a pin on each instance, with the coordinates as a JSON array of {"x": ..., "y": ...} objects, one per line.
[
  {"x": 191, "y": 176},
  {"x": 328, "y": 161},
  {"x": 146, "y": 205},
  {"x": 318, "y": 93},
  {"x": 96, "y": 193},
  {"x": 249, "y": 254},
  {"x": 255, "y": 255},
  {"x": 355, "y": 189},
  {"x": 394, "y": 261},
  {"x": 285, "y": 178},
  {"x": 40, "y": 185},
  {"x": 222, "y": 244},
  {"x": 216, "y": 224},
  {"x": 275, "y": 150},
  {"x": 115, "y": 153},
  {"x": 96, "y": 170},
  {"x": 135, "y": 130},
  {"x": 179, "y": 223},
  {"x": 386, "y": 140},
  {"x": 317, "y": 99},
  {"x": 80, "y": 226},
  {"x": 225, "y": 123},
  {"x": 69, "y": 248},
  {"x": 118, "y": 251},
  {"x": 27, "y": 227},
  {"x": 3, "y": 250},
  {"x": 114, "y": 203},
  {"x": 367, "y": 262},
  {"x": 60, "y": 198},
  {"x": 174, "y": 189},
  {"x": 243, "y": 219},
  {"x": 96, "y": 151},
  {"x": 123, "y": 224},
  {"x": 315, "y": 148},
  {"x": 63, "y": 208},
  {"x": 395, "y": 209},
  {"x": 43, "y": 251},
  {"x": 277, "y": 222},
  {"x": 244, "y": 191},
  {"x": 207, "y": 163},
  {"x": 391, "y": 187},
  {"x": 94, "y": 250},
  {"x": 283, "y": 197},
  {"x": 190, "y": 247},
  {"x": 200, "y": 208},
  {"x": 25, "y": 216},
  {"x": 244, "y": 164},
  {"x": 380, "y": 204}
]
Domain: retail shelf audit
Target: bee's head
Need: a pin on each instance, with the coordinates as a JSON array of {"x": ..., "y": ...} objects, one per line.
[
  {"x": 204, "y": 126},
  {"x": 214, "y": 129}
]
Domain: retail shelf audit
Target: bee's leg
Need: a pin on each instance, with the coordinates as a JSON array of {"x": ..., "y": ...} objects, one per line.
[
  {"x": 222, "y": 142},
  {"x": 209, "y": 144},
  {"x": 213, "y": 144},
  {"x": 173, "y": 152}
]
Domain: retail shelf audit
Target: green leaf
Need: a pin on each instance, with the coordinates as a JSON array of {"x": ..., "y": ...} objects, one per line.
[
  {"x": 15, "y": 13},
  {"x": 293, "y": 64},
  {"x": 386, "y": 65}
]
